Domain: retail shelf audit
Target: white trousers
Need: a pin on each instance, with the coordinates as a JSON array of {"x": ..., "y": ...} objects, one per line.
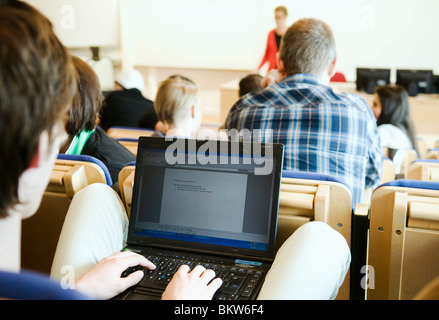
[{"x": 311, "y": 264}]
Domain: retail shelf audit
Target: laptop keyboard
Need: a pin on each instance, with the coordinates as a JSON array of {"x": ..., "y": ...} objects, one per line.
[{"x": 238, "y": 282}]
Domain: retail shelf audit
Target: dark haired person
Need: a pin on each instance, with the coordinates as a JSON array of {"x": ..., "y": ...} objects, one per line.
[
  {"x": 322, "y": 131},
  {"x": 126, "y": 105},
  {"x": 37, "y": 83},
  {"x": 84, "y": 136},
  {"x": 395, "y": 127},
  {"x": 250, "y": 83},
  {"x": 392, "y": 111}
]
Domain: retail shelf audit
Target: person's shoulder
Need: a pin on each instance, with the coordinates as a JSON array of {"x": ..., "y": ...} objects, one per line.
[
  {"x": 355, "y": 101},
  {"x": 27, "y": 285}
]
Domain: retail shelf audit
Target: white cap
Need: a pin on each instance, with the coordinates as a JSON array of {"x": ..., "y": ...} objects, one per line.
[{"x": 130, "y": 79}]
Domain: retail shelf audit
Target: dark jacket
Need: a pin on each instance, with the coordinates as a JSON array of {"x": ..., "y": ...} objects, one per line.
[
  {"x": 114, "y": 155},
  {"x": 124, "y": 108}
]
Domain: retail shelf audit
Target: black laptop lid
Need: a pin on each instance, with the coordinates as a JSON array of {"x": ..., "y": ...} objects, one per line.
[{"x": 211, "y": 196}]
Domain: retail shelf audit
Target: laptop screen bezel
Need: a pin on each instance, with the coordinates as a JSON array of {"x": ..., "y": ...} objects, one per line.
[{"x": 159, "y": 143}]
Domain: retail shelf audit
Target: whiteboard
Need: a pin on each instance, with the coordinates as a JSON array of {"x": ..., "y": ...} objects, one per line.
[
  {"x": 83, "y": 23},
  {"x": 231, "y": 34}
]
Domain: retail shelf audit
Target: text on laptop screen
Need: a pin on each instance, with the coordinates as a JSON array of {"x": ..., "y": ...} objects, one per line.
[{"x": 224, "y": 203}]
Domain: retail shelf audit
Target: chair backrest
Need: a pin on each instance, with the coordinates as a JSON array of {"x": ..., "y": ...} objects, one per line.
[
  {"x": 307, "y": 196},
  {"x": 126, "y": 181},
  {"x": 129, "y": 143},
  {"x": 388, "y": 171},
  {"x": 402, "y": 159},
  {"x": 40, "y": 232},
  {"x": 81, "y": 159},
  {"x": 403, "y": 239},
  {"x": 433, "y": 154},
  {"x": 127, "y": 132},
  {"x": 425, "y": 170}
]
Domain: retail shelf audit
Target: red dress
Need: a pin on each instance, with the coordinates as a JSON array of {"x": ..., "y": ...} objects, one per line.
[{"x": 270, "y": 51}]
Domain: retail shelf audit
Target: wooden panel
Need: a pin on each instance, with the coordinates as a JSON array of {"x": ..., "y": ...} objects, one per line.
[{"x": 421, "y": 263}]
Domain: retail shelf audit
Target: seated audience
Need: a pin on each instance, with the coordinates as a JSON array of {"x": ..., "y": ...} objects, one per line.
[
  {"x": 178, "y": 107},
  {"x": 84, "y": 136},
  {"x": 322, "y": 131},
  {"x": 126, "y": 105},
  {"x": 250, "y": 83},
  {"x": 392, "y": 111},
  {"x": 32, "y": 114}
]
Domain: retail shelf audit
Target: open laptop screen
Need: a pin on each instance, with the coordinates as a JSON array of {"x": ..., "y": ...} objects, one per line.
[{"x": 223, "y": 194}]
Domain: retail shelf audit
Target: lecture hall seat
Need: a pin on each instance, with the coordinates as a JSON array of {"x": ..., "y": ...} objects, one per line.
[
  {"x": 40, "y": 232},
  {"x": 307, "y": 196},
  {"x": 425, "y": 170},
  {"x": 129, "y": 143},
  {"x": 128, "y": 132},
  {"x": 403, "y": 239},
  {"x": 126, "y": 181},
  {"x": 432, "y": 154}
]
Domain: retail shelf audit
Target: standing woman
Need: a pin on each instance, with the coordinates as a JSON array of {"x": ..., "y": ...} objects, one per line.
[{"x": 274, "y": 37}]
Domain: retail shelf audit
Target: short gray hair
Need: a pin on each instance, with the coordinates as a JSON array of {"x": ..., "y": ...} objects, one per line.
[{"x": 308, "y": 47}]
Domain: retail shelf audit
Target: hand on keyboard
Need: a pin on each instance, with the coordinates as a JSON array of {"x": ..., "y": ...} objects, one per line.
[
  {"x": 104, "y": 280},
  {"x": 192, "y": 285}
]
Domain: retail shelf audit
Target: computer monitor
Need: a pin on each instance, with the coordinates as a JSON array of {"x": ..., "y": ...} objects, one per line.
[
  {"x": 369, "y": 78},
  {"x": 436, "y": 84},
  {"x": 415, "y": 81}
]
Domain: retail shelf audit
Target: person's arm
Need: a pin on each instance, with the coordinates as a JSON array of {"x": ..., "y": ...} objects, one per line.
[
  {"x": 374, "y": 166},
  {"x": 104, "y": 280},
  {"x": 265, "y": 57}
]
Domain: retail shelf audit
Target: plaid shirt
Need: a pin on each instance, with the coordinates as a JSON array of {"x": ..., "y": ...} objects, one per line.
[{"x": 322, "y": 131}]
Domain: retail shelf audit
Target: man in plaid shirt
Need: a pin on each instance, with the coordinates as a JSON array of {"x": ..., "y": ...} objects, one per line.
[{"x": 322, "y": 131}]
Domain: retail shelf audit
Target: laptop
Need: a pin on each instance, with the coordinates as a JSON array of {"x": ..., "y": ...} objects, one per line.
[{"x": 213, "y": 203}]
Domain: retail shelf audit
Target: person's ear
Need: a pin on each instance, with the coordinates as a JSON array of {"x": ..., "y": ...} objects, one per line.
[
  {"x": 33, "y": 181},
  {"x": 36, "y": 158},
  {"x": 280, "y": 65},
  {"x": 332, "y": 69}
]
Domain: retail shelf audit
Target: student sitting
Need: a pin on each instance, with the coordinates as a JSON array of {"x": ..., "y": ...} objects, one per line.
[
  {"x": 392, "y": 111},
  {"x": 322, "y": 131},
  {"x": 178, "y": 107},
  {"x": 250, "y": 83},
  {"x": 311, "y": 264},
  {"x": 126, "y": 105},
  {"x": 84, "y": 136}
]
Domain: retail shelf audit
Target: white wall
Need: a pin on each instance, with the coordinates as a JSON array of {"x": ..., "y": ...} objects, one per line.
[
  {"x": 83, "y": 23},
  {"x": 231, "y": 34}
]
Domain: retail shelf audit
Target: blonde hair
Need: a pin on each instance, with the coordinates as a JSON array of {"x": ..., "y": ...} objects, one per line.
[
  {"x": 175, "y": 98},
  {"x": 282, "y": 9}
]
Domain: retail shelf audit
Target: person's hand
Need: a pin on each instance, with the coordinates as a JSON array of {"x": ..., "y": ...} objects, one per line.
[
  {"x": 104, "y": 280},
  {"x": 192, "y": 285},
  {"x": 272, "y": 76}
]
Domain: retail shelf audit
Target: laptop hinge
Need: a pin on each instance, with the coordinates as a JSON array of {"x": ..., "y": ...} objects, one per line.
[{"x": 139, "y": 245}]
